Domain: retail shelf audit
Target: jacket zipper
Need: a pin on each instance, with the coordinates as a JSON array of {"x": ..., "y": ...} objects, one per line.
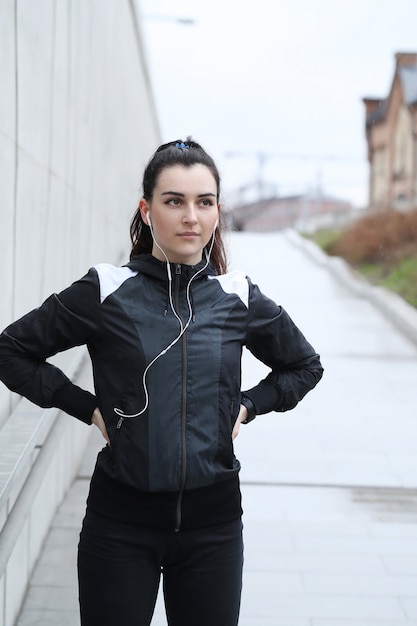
[
  {"x": 115, "y": 441},
  {"x": 183, "y": 407}
]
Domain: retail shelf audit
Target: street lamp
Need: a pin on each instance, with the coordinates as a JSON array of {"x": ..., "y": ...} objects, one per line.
[{"x": 184, "y": 21}]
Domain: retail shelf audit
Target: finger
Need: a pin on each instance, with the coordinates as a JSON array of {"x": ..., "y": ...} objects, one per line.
[
  {"x": 105, "y": 435},
  {"x": 99, "y": 422}
]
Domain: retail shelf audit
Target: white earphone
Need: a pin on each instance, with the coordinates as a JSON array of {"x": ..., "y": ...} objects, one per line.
[{"x": 182, "y": 327}]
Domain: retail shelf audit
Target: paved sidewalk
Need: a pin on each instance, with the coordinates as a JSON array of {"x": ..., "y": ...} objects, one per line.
[{"x": 329, "y": 489}]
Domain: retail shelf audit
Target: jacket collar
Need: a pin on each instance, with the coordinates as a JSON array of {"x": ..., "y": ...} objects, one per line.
[{"x": 153, "y": 267}]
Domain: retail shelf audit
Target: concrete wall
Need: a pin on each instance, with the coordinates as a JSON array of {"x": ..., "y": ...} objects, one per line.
[{"x": 77, "y": 124}]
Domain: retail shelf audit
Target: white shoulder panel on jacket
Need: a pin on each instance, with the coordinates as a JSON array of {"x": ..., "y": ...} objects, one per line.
[
  {"x": 111, "y": 278},
  {"x": 235, "y": 282}
]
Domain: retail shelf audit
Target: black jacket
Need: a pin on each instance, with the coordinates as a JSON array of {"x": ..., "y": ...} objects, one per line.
[{"x": 182, "y": 440}]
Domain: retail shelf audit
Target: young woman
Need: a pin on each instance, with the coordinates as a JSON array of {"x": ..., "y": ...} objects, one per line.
[{"x": 165, "y": 334}]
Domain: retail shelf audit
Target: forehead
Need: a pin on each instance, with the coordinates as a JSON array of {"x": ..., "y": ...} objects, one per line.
[{"x": 195, "y": 178}]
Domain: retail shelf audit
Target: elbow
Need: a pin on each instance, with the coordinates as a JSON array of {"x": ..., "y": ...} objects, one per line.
[
  {"x": 313, "y": 370},
  {"x": 318, "y": 373},
  {"x": 312, "y": 377}
]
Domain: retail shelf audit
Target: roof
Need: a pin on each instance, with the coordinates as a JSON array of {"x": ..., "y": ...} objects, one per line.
[
  {"x": 408, "y": 78},
  {"x": 379, "y": 112}
]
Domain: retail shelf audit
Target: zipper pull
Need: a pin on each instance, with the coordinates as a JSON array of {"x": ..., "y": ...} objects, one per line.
[
  {"x": 119, "y": 423},
  {"x": 178, "y": 268}
]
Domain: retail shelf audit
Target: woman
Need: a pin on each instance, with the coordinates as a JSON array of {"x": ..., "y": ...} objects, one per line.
[{"x": 165, "y": 335}]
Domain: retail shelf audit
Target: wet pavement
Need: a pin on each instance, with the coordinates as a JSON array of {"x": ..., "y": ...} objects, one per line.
[{"x": 329, "y": 489}]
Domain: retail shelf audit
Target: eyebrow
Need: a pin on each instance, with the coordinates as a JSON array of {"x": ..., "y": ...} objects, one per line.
[{"x": 182, "y": 195}]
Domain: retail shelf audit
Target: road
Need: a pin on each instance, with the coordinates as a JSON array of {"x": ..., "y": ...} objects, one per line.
[{"x": 329, "y": 489}]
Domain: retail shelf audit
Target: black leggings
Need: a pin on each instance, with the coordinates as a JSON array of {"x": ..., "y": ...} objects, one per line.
[{"x": 119, "y": 568}]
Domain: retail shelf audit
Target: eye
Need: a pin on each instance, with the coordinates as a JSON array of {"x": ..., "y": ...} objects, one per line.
[
  {"x": 206, "y": 202},
  {"x": 174, "y": 202}
]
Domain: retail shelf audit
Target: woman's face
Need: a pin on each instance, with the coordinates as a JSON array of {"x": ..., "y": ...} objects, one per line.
[{"x": 183, "y": 212}]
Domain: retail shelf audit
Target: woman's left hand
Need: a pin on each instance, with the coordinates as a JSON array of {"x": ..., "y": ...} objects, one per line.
[
  {"x": 243, "y": 414},
  {"x": 97, "y": 420}
]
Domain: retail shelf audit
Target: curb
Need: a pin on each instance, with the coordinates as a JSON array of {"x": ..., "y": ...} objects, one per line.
[{"x": 391, "y": 305}]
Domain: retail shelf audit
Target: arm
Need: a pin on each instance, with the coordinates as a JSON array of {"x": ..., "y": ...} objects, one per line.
[
  {"x": 274, "y": 339},
  {"x": 62, "y": 322}
]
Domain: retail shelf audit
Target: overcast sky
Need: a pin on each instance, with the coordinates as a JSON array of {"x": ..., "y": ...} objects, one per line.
[{"x": 281, "y": 78}]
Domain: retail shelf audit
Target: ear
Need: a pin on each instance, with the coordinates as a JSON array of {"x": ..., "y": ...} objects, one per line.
[{"x": 144, "y": 210}]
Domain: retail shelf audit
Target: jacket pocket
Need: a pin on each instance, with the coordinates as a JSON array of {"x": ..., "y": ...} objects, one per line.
[{"x": 115, "y": 441}]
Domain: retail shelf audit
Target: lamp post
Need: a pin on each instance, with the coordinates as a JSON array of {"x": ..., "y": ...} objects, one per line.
[{"x": 159, "y": 17}]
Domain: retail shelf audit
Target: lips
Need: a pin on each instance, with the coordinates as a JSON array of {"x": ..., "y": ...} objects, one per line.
[{"x": 188, "y": 234}]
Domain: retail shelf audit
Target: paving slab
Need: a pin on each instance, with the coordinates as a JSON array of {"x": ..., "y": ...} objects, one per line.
[
  {"x": 329, "y": 489},
  {"x": 298, "y": 566},
  {"x": 368, "y": 622}
]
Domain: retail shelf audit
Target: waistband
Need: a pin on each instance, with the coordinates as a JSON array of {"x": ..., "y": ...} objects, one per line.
[{"x": 218, "y": 503}]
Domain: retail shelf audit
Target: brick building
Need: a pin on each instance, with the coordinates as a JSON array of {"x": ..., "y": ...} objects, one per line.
[{"x": 391, "y": 133}]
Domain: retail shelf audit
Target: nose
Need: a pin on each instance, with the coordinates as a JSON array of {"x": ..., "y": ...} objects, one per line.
[{"x": 190, "y": 215}]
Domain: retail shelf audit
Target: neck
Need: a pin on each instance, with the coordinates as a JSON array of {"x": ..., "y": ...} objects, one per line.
[{"x": 161, "y": 256}]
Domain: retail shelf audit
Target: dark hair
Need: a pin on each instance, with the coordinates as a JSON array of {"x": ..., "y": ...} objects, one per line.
[{"x": 178, "y": 152}]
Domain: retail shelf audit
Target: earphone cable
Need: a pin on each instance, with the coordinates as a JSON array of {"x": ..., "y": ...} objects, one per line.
[{"x": 183, "y": 328}]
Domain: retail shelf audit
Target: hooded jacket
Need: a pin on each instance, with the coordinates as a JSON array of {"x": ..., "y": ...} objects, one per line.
[{"x": 169, "y": 398}]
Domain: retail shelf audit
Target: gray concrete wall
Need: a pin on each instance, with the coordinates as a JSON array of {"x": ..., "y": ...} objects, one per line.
[{"x": 77, "y": 123}]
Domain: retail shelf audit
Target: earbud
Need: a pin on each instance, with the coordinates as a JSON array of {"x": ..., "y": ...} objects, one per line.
[
  {"x": 148, "y": 218},
  {"x": 215, "y": 225}
]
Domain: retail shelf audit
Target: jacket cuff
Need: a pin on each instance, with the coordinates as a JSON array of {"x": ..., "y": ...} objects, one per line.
[
  {"x": 76, "y": 402},
  {"x": 250, "y": 407}
]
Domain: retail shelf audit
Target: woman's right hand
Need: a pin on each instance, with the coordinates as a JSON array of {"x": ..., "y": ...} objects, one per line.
[
  {"x": 98, "y": 420},
  {"x": 243, "y": 414}
]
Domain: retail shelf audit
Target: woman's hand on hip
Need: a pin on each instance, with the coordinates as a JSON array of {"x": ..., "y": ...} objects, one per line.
[
  {"x": 243, "y": 414},
  {"x": 98, "y": 421}
]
